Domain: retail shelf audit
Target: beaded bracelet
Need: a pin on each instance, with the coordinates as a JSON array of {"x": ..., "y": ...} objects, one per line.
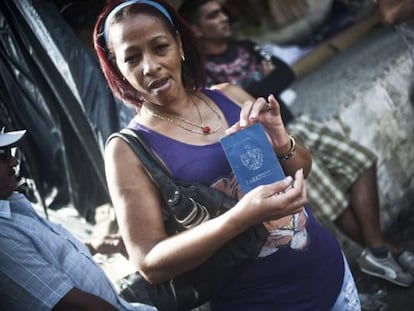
[{"x": 291, "y": 151}]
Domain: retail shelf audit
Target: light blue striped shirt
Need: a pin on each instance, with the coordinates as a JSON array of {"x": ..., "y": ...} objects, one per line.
[{"x": 40, "y": 262}]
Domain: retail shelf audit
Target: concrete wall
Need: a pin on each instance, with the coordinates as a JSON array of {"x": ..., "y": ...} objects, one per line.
[{"x": 364, "y": 92}]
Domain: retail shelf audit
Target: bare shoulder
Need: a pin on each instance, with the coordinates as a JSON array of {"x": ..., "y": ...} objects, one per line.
[
  {"x": 120, "y": 159},
  {"x": 234, "y": 92},
  {"x": 115, "y": 148}
]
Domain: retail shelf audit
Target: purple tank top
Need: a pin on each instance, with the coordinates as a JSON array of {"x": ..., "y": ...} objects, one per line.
[{"x": 304, "y": 274}]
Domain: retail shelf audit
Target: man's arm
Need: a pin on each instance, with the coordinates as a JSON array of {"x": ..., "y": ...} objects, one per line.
[
  {"x": 78, "y": 300},
  {"x": 394, "y": 12},
  {"x": 274, "y": 82}
]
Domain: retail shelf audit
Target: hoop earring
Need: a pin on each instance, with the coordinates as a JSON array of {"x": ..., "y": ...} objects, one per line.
[{"x": 182, "y": 57}]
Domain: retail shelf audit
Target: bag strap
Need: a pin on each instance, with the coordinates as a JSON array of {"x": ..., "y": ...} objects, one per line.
[
  {"x": 170, "y": 191},
  {"x": 148, "y": 158}
]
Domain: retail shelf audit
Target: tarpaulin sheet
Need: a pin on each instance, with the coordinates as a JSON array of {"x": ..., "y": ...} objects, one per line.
[{"x": 52, "y": 86}]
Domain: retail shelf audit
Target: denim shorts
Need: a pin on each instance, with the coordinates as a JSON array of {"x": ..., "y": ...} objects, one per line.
[{"x": 348, "y": 299}]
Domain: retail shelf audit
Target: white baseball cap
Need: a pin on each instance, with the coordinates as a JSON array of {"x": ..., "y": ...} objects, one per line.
[{"x": 10, "y": 139}]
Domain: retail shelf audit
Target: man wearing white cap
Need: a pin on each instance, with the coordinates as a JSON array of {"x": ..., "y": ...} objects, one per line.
[{"x": 43, "y": 266}]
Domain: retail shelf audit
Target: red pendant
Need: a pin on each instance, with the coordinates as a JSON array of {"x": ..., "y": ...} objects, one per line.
[{"x": 206, "y": 130}]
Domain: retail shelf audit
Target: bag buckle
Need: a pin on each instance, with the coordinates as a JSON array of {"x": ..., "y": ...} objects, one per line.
[{"x": 198, "y": 215}]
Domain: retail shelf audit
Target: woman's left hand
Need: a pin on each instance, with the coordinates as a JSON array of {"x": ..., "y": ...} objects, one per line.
[{"x": 267, "y": 113}]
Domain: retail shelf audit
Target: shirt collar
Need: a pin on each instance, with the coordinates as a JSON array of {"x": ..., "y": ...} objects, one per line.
[{"x": 5, "y": 211}]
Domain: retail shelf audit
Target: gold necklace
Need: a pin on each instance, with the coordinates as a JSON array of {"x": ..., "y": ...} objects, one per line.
[{"x": 204, "y": 129}]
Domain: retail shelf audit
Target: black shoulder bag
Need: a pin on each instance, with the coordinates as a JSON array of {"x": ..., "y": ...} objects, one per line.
[{"x": 190, "y": 205}]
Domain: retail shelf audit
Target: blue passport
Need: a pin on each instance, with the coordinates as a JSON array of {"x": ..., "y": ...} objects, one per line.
[{"x": 252, "y": 158}]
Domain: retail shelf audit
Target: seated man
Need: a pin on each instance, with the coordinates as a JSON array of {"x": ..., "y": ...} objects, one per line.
[
  {"x": 44, "y": 267},
  {"x": 342, "y": 186}
]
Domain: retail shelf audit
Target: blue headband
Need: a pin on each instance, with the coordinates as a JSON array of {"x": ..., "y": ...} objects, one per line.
[{"x": 120, "y": 6}]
